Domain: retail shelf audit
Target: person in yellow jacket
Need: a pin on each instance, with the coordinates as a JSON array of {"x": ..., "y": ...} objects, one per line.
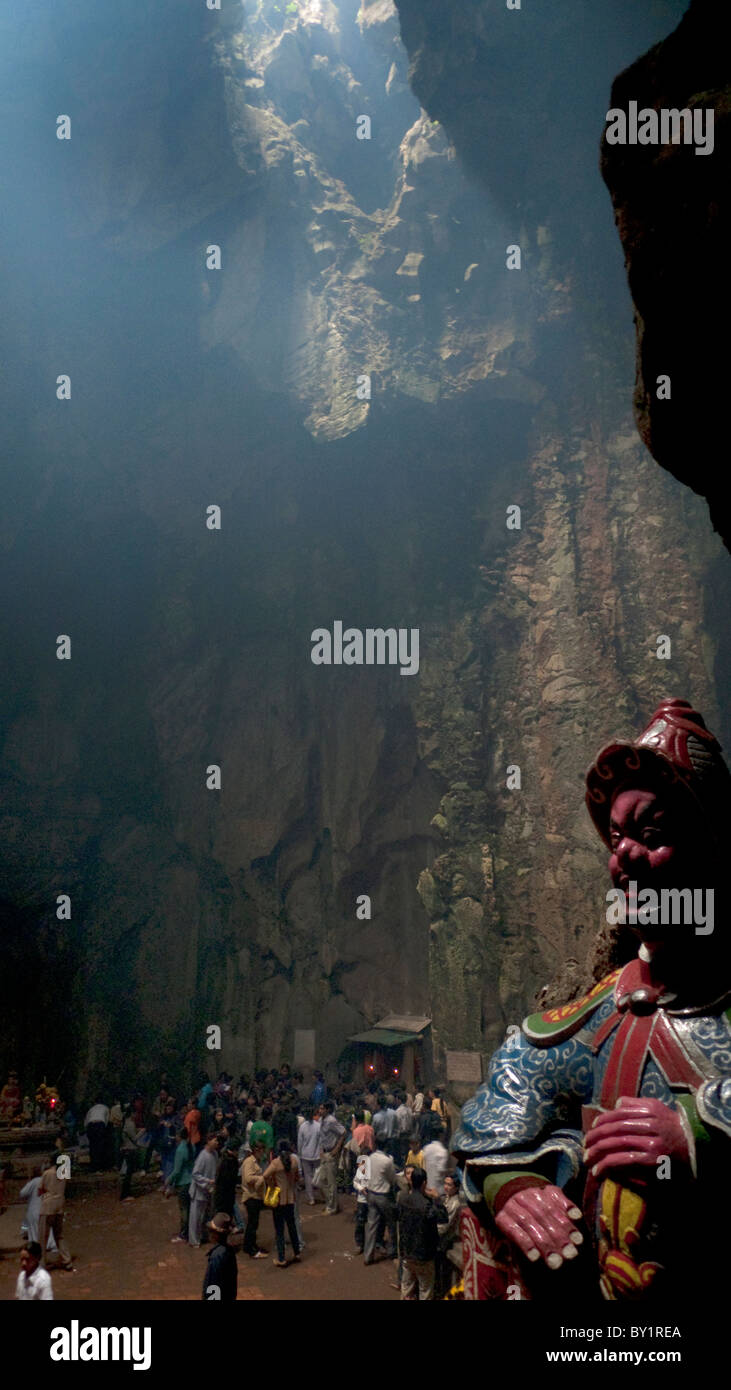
[{"x": 415, "y": 1156}]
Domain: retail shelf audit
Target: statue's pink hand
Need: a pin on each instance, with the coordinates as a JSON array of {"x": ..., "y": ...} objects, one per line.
[
  {"x": 636, "y": 1134},
  {"x": 540, "y": 1221}
]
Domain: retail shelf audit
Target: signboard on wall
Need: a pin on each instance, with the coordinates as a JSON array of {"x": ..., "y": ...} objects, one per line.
[
  {"x": 304, "y": 1047},
  {"x": 464, "y": 1066}
]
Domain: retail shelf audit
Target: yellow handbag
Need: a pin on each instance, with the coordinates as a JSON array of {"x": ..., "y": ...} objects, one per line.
[{"x": 272, "y": 1196}]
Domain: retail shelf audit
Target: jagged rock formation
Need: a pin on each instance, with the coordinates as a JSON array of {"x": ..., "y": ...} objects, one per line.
[
  {"x": 370, "y": 289},
  {"x": 490, "y": 388},
  {"x": 672, "y": 212},
  {"x": 473, "y": 67}
]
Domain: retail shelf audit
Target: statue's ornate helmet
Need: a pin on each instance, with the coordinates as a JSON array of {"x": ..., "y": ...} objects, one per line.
[{"x": 676, "y": 751}]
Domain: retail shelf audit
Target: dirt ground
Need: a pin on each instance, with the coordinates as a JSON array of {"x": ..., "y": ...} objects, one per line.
[{"x": 122, "y": 1250}]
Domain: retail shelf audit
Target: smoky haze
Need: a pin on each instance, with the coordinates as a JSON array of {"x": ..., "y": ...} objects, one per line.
[{"x": 190, "y": 387}]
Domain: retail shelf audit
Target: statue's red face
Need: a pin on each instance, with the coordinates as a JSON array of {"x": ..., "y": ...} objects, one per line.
[{"x": 645, "y": 843}]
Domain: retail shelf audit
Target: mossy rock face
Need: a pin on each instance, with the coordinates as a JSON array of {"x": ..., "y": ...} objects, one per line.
[
  {"x": 469, "y": 917},
  {"x": 429, "y": 894},
  {"x": 456, "y": 966}
]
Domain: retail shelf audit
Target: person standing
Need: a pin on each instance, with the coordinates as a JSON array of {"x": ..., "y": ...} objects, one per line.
[
  {"x": 179, "y": 1182},
  {"x": 201, "y": 1188},
  {"x": 308, "y": 1151},
  {"x": 363, "y": 1136},
  {"x": 205, "y": 1095},
  {"x": 371, "y": 1101},
  {"x": 435, "y": 1159},
  {"x": 95, "y": 1124},
  {"x": 418, "y": 1218},
  {"x": 253, "y": 1188},
  {"x": 393, "y": 1146},
  {"x": 53, "y": 1200},
  {"x": 66, "y": 1116},
  {"x": 379, "y": 1122},
  {"x": 159, "y": 1104},
  {"x": 318, "y": 1095},
  {"x": 361, "y": 1180},
  {"x": 224, "y": 1192},
  {"x": 385, "y": 1127},
  {"x": 220, "y": 1281},
  {"x": 154, "y": 1134},
  {"x": 217, "y": 1124},
  {"x": 428, "y": 1121},
  {"x": 250, "y": 1114},
  {"x": 404, "y": 1120},
  {"x": 332, "y": 1138},
  {"x": 298, "y": 1086},
  {"x": 193, "y": 1123},
  {"x": 403, "y": 1184},
  {"x": 31, "y": 1194},
  {"x": 261, "y": 1131},
  {"x": 129, "y": 1150},
  {"x": 34, "y": 1282},
  {"x": 439, "y": 1108},
  {"x": 283, "y": 1172},
  {"x": 138, "y": 1109},
  {"x": 381, "y": 1206},
  {"x": 449, "y": 1255},
  {"x": 116, "y": 1121},
  {"x": 284, "y": 1122},
  {"x": 164, "y": 1140}
]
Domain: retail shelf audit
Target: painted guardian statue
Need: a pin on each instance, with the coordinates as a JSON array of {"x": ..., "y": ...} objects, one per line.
[{"x": 595, "y": 1156}]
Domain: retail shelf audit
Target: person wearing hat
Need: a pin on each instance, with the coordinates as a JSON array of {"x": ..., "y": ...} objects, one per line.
[
  {"x": 598, "y": 1145},
  {"x": 220, "y": 1280}
]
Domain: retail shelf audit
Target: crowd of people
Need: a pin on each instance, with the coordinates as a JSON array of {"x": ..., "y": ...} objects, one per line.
[{"x": 230, "y": 1151}]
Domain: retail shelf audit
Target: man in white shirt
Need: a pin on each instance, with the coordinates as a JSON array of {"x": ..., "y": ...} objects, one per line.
[
  {"x": 308, "y": 1151},
  {"x": 34, "y": 1282},
  {"x": 95, "y": 1124},
  {"x": 381, "y": 1204},
  {"x": 435, "y": 1158}
]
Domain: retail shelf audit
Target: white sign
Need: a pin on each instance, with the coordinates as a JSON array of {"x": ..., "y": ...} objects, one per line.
[{"x": 464, "y": 1066}]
